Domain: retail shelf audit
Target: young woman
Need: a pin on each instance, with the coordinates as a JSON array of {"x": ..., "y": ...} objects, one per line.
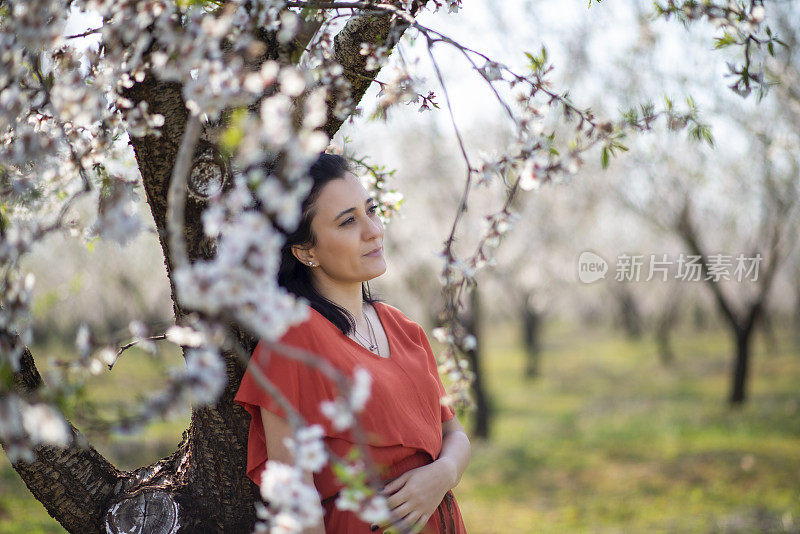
[{"x": 417, "y": 443}]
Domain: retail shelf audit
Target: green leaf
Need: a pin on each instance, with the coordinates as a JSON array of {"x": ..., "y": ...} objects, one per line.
[
  {"x": 726, "y": 40},
  {"x": 340, "y": 472},
  {"x": 604, "y": 157},
  {"x": 620, "y": 146},
  {"x": 537, "y": 63},
  {"x": 233, "y": 135},
  {"x": 380, "y": 113}
]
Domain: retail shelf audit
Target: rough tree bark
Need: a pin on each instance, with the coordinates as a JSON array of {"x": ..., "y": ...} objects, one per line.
[{"x": 202, "y": 486}]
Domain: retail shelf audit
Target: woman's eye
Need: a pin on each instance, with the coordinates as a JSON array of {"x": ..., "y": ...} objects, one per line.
[{"x": 373, "y": 209}]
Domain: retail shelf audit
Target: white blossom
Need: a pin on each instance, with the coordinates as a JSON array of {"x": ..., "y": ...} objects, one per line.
[
  {"x": 338, "y": 412},
  {"x": 376, "y": 510},
  {"x": 528, "y": 178},
  {"x": 205, "y": 375},
  {"x": 361, "y": 389},
  {"x": 107, "y": 355},
  {"x": 45, "y": 425},
  {"x": 213, "y": 218},
  {"x": 757, "y": 14},
  {"x": 315, "y": 109},
  {"x": 290, "y": 24},
  {"x": 283, "y": 488},
  {"x": 285, "y": 523},
  {"x": 118, "y": 218},
  {"x": 442, "y": 335},
  {"x": 470, "y": 342},
  {"x": 276, "y": 479},
  {"x": 350, "y": 499},
  {"x": 292, "y": 82},
  {"x": 83, "y": 340},
  {"x": 309, "y": 449},
  {"x": 184, "y": 335},
  {"x": 492, "y": 71}
]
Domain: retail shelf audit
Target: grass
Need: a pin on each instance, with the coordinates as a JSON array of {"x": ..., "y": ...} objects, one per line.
[
  {"x": 136, "y": 373},
  {"x": 609, "y": 440},
  {"x": 606, "y": 440}
]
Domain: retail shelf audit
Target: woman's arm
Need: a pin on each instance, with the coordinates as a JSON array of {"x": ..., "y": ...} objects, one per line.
[
  {"x": 415, "y": 495},
  {"x": 456, "y": 450},
  {"x": 275, "y": 429}
]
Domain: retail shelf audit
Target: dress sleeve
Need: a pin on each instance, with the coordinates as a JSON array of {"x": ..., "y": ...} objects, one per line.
[
  {"x": 447, "y": 412},
  {"x": 282, "y": 371},
  {"x": 288, "y": 376}
]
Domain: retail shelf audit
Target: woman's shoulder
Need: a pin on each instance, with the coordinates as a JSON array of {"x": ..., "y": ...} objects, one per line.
[
  {"x": 317, "y": 327},
  {"x": 400, "y": 318},
  {"x": 311, "y": 325}
]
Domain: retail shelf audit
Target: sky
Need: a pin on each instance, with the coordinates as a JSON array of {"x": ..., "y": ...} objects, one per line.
[
  {"x": 585, "y": 45},
  {"x": 505, "y": 30}
]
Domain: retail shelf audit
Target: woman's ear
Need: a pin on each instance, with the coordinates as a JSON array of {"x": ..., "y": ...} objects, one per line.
[{"x": 303, "y": 255}]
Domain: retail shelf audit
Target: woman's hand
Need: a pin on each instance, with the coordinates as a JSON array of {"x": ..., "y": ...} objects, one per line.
[{"x": 414, "y": 496}]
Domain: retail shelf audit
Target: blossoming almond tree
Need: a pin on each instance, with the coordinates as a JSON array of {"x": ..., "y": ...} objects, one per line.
[{"x": 226, "y": 103}]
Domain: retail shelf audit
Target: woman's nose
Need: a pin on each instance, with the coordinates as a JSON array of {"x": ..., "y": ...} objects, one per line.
[{"x": 374, "y": 227}]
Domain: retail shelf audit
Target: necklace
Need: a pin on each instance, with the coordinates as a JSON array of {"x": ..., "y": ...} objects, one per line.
[{"x": 372, "y": 342}]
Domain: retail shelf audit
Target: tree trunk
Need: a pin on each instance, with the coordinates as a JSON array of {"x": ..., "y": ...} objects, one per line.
[
  {"x": 482, "y": 408},
  {"x": 741, "y": 364},
  {"x": 665, "y": 325},
  {"x": 700, "y": 318},
  {"x": 741, "y": 324},
  {"x": 202, "y": 486},
  {"x": 629, "y": 316},
  {"x": 666, "y": 355},
  {"x": 531, "y": 333},
  {"x": 768, "y": 331},
  {"x": 797, "y": 315}
]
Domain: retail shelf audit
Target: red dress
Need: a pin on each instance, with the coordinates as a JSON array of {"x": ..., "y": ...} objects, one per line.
[{"x": 402, "y": 417}]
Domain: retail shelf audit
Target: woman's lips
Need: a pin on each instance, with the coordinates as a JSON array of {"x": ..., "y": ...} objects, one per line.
[{"x": 376, "y": 253}]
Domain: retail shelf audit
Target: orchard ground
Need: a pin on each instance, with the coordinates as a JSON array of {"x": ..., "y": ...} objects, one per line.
[{"x": 605, "y": 440}]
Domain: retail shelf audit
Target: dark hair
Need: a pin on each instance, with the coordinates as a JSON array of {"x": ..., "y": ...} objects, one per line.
[{"x": 294, "y": 275}]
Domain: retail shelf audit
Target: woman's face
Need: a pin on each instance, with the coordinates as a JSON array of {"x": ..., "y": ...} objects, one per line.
[{"x": 347, "y": 227}]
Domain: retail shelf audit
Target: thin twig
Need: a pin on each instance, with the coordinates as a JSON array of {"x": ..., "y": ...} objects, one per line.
[
  {"x": 84, "y": 34},
  {"x": 126, "y": 346}
]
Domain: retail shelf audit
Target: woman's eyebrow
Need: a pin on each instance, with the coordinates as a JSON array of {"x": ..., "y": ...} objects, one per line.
[{"x": 348, "y": 210}]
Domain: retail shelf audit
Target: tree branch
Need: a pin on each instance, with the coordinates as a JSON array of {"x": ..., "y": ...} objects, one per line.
[
  {"x": 373, "y": 29},
  {"x": 73, "y": 483},
  {"x": 685, "y": 228}
]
